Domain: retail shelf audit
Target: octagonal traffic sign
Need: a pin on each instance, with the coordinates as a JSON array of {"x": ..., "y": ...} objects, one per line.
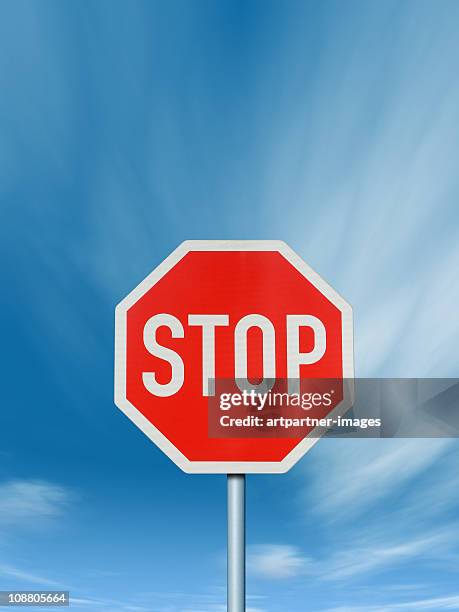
[{"x": 226, "y": 310}]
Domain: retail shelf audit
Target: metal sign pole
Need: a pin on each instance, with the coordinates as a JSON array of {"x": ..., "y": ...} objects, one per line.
[{"x": 236, "y": 542}]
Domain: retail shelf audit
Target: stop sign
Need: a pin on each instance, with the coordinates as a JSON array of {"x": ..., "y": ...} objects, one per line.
[{"x": 225, "y": 310}]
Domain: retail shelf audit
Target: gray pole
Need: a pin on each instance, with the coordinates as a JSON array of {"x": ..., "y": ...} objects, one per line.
[{"x": 236, "y": 542}]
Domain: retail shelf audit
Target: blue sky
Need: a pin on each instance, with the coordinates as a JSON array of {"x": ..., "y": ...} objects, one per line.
[{"x": 127, "y": 127}]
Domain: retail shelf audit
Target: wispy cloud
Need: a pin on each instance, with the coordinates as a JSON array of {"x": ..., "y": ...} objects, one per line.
[
  {"x": 361, "y": 473},
  {"x": 375, "y": 557},
  {"x": 213, "y": 608},
  {"x": 24, "y": 502},
  {"x": 27, "y": 577},
  {"x": 450, "y": 602},
  {"x": 106, "y": 604},
  {"x": 158, "y": 601},
  {"x": 362, "y": 559},
  {"x": 276, "y": 561}
]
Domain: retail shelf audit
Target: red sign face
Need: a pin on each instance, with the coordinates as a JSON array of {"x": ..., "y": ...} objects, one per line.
[{"x": 214, "y": 311}]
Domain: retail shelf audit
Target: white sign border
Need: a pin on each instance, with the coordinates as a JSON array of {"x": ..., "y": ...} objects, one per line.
[{"x": 229, "y": 467}]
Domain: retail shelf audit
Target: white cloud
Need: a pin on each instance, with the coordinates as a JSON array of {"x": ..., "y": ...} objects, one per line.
[
  {"x": 213, "y": 608},
  {"x": 363, "y": 472},
  {"x": 169, "y": 601},
  {"x": 277, "y": 561},
  {"x": 437, "y": 604},
  {"x": 282, "y": 561},
  {"x": 376, "y": 556},
  {"x": 103, "y": 604},
  {"x": 27, "y": 501},
  {"x": 26, "y": 577}
]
